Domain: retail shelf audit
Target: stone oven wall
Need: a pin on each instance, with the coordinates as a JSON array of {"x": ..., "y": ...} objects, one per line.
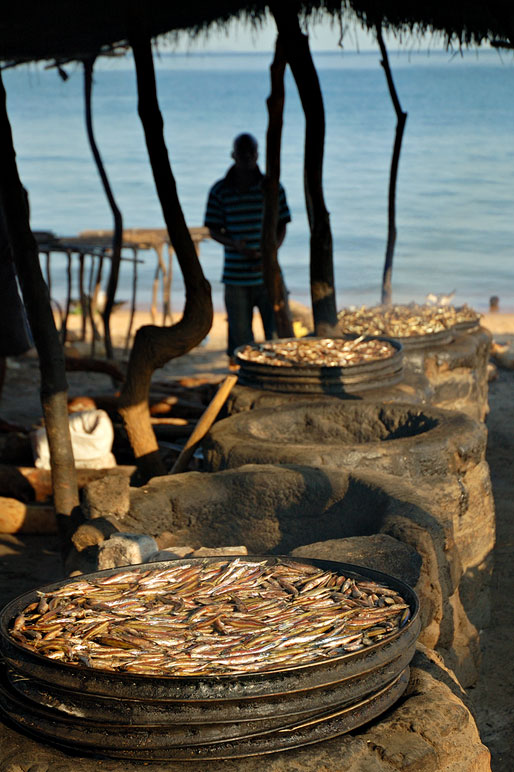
[
  {"x": 452, "y": 376},
  {"x": 441, "y": 453},
  {"x": 276, "y": 509}
]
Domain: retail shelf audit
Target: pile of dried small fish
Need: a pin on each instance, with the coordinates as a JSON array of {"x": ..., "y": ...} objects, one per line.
[
  {"x": 466, "y": 314},
  {"x": 198, "y": 618},
  {"x": 317, "y": 352},
  {"x": 403, "y": 321}
]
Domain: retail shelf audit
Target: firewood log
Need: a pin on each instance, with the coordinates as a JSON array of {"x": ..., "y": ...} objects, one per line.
[{"x": 17, "y": 517}]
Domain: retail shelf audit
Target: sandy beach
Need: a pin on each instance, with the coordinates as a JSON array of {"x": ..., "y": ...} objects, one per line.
[{"x": 31, "y": 560}]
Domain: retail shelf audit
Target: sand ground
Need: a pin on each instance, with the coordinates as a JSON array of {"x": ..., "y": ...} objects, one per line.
[{"x": 29, "y": 561}]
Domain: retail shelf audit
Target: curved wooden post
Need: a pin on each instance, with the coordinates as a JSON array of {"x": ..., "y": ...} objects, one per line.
[
  {"x": 154, "y": 346},
  {"x": 46, "y": 338},
  {"x": 401, "y": 117},
  {"x": 117, "y": 240},
  {"x": 298, "y": 55}
]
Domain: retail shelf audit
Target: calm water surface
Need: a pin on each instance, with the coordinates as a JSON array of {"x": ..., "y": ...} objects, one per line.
[{"x": 455, "y": 199}]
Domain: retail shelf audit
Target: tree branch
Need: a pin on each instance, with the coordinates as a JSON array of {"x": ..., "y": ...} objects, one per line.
[
  {"x": 117, "y": 239},
  {"x": 393, "y": 174}
]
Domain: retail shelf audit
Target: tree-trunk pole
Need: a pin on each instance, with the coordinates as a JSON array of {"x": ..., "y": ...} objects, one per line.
[
  {"x": 269, "y": 247},
  {"x": 401, "y": 118},
  {"x": 117, "y": 239},
  {"x": 298, "y": 55},
  {"x": 46, "y": 338},
  {"x": 154, "y": 346}
]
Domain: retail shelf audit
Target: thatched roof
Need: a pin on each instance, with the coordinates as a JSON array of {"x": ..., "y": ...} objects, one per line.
[{"x": 74, "y": 29}]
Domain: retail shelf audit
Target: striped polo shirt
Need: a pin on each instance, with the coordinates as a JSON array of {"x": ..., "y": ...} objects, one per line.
[{"x": 239, "y": 214}]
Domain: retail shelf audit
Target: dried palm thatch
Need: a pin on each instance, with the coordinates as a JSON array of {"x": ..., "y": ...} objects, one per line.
[{"x": 72, "y": 29}]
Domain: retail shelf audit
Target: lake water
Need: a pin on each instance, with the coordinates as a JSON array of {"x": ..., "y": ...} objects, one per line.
[{"x": 455, "y": 199}]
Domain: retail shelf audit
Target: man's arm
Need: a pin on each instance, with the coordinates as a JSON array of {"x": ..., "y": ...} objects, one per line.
[{"x": 223, "y": 237}]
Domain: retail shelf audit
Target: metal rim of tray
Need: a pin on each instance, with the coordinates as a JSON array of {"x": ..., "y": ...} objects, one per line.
[
  {"x": 325, "y": 370},
  {"x": 337, "y": 379},
  {"x": 297, "y": 734},
  {"x": 441, "y": 338},
  {"x": 178, "y": 712},
  {"x": 229, "y": 687},
  {"x": 469, "y": 326}
]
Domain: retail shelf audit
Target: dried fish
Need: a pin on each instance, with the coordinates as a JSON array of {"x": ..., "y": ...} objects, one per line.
[
  {"x": 316, "y": 352},
  {"x": 226, "y": 616},
  {"x": 404, "y": 321}
]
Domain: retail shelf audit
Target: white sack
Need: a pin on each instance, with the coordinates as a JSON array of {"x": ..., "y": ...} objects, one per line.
[{"x": 92, "y": 436}]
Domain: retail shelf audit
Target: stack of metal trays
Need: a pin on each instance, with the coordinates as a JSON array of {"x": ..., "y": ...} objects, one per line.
[
  {"x": 259, "y": 704},
  {"x": 415, "y": 326},
  {"x": 305, "y": 378}
]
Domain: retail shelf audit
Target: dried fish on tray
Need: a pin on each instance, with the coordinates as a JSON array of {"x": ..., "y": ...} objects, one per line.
[
  {"x": 317, "y": 352},
  {"x": 465, "y": 314},
  {"x": 209, "y": 618},
  {"x": 404, "y": 321},
  {"x": 301, "y": 690}
]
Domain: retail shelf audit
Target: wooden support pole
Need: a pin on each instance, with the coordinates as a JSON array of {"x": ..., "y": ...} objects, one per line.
[
  {"x": 117, "y": 241},
  {"x": 269, "y": 246},
  {"x": 132, "y": 302},
  {"x": 54, "y": 388},
  {"x": 155, "y": 346},
  {"x": 94, "y": 304},
  {"x": 298, "y": 55},
  {"x": 167, "y": 311},
  {"x": 83, "y": 299},
  {"x": 401, "y": 117},
  {"x": 204, "y": 424},
  {"x": 69, "y": 291}
]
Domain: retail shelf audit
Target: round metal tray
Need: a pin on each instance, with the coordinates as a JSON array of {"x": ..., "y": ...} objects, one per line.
[
  {"x": 158, "y": 744},
  {"x": 470, "y": 326},
  {"x": 119, "y": 713},
  {"x": 429, "y": 340},
  {"x": 316, "y": 379}
]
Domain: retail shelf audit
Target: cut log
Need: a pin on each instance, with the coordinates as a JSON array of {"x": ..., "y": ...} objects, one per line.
[
  {"x": 16, "y": 517},
  {"x": 27, "y": 483},
  {"x": 161, "y": 421}
]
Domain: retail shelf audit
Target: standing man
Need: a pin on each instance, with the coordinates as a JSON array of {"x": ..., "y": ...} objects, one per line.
[{"x": 234, "y": 218}]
